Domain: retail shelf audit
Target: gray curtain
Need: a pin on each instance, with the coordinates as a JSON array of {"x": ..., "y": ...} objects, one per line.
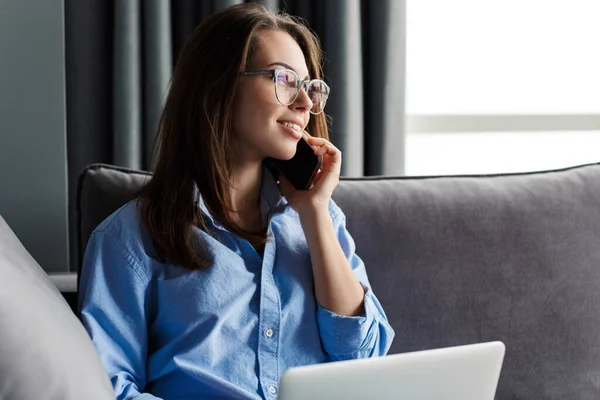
[{"x": 119, "y": 58}]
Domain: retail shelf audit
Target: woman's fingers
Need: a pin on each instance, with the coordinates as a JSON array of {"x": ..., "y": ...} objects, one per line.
[
  {"x": 328, "y": 149},
  {"x": 316, "y": 140},
  {"x": 321, "y": 150},
  {"x": 324, "y": 146}
]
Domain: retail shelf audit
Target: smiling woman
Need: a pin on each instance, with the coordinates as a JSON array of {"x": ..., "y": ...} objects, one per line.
[
  {"x": 220, "y": 275},
  {"x": 260, "y": 115}
]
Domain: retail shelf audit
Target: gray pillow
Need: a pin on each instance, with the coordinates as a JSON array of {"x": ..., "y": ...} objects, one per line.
[{"x": 45, "y": 353}]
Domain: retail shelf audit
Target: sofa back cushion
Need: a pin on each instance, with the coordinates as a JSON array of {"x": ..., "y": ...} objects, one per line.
[
  {"x": 45, "y": 353},
  {"x": 458, "y": 260},
  {"x": 516, "y": 258}
]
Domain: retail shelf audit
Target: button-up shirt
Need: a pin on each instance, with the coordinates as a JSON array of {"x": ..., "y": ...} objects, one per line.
[{"x": 226, "y": 331}]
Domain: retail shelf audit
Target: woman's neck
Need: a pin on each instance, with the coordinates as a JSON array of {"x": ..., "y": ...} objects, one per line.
[{"x": 245, "y": 194}]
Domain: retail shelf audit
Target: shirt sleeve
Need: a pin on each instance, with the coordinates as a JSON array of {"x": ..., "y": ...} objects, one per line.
[
  {"x": 113, "y": 303},
  {"x": 368, "y": 335}
]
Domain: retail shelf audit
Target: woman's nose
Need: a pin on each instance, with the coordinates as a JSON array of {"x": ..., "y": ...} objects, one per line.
[{"x": 303, "y": 101}]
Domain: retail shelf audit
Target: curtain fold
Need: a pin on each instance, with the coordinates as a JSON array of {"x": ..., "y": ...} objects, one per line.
[
  {"x": 158, "y": 64},
  {"x": 120, "y": 55},
  {"x": 341, "y": 39},
  {"x": 221, "y": 4},
  {"x": 384, "y": 87},
  {"x": 89, "y": 71},
  {"x": 272, "y": 5},
  {"x": 127, "y": 81}
]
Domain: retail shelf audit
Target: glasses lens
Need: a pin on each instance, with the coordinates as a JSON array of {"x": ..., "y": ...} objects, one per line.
[
  {"x": 318, "y": 91},
  {"x": 286, "y": 86}
]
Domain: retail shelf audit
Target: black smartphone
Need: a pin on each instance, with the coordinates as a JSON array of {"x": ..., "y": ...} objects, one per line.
[{"x": 301, "y": 169}]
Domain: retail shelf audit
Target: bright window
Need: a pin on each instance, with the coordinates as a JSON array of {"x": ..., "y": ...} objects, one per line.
[{"x": 501, "y": 85}]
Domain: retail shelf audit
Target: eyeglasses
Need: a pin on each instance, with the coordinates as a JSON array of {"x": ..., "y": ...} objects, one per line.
[{"x": 288, "y": 85}]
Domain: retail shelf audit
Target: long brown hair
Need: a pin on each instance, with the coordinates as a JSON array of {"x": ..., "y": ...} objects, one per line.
[{"x": 195, "y": 141}]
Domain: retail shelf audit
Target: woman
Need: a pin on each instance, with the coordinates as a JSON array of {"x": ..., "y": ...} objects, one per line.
[{"x": 220, "y": 276}]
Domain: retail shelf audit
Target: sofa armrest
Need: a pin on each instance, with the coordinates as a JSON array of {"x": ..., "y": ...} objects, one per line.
[{"x": 66, "y": 283}]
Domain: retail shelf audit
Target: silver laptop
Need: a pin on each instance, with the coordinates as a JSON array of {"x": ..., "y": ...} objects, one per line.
[{"x": 453, "y": 373}]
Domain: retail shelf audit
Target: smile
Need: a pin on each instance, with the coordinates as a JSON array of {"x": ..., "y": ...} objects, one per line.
[
  {"x": 292, "y": 128},
  {"x": 295, "y": 127}
]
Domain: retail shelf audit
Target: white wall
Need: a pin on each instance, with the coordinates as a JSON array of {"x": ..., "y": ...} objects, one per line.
[{"x": 33, "y": 178}]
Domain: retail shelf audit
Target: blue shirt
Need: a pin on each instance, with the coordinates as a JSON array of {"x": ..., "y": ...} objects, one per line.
[{"x": 228, "y": 331}]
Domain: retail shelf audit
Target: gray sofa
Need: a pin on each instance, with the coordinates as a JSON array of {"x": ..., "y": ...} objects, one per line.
[{"x": 458, "y": 260}]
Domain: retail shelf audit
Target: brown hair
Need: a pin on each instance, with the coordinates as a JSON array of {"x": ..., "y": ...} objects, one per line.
[{"x": 195, "y": 138}]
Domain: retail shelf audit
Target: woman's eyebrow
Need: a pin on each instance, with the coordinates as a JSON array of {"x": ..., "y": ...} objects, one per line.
[{"x": 284, "y": 65}]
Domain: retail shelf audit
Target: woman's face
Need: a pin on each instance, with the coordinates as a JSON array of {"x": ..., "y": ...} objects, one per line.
[{"x": 259, "y": 119}]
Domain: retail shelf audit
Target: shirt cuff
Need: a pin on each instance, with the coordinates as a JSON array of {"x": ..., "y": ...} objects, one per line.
[{"x": 343, "y": 335}]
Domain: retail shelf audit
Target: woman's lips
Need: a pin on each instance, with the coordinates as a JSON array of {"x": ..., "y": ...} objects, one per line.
[{"x": 294, "y": 133}]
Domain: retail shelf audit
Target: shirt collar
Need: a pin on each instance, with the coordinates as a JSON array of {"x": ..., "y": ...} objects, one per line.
[{"x": 271, "y": 200}]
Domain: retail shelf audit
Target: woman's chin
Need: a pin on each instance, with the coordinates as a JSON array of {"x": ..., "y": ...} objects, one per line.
[{"x": 284, "y": 154}]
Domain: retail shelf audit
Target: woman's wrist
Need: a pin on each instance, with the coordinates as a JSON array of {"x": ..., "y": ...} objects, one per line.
[{"x": 313, "y": 211}]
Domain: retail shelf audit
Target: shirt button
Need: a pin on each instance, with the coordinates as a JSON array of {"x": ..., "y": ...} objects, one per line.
[
  {"x": 269, "y": 334},
  {"x": 272, "y": 389}
]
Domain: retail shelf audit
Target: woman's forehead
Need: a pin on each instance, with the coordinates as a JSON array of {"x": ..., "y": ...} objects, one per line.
[{"x": 278, "y": 47}]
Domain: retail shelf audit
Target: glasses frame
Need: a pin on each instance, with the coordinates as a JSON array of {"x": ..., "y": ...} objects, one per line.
[{"x": 301, "y": 84}]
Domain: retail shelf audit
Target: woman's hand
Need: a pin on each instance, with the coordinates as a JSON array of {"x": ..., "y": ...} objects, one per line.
[
  {"x": 316, "y": 198},
  {"x": 337, "y": 288}
]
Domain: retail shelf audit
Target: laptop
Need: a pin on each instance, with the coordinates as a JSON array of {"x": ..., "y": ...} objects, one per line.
[{"x": 452, "y": 373}]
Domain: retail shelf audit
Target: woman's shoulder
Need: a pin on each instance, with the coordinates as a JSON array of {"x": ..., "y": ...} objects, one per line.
[
  {"x": 125, "y": 229},
  {"x": 119, "y": 244},
  {"x": 123, "y": 222}
]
